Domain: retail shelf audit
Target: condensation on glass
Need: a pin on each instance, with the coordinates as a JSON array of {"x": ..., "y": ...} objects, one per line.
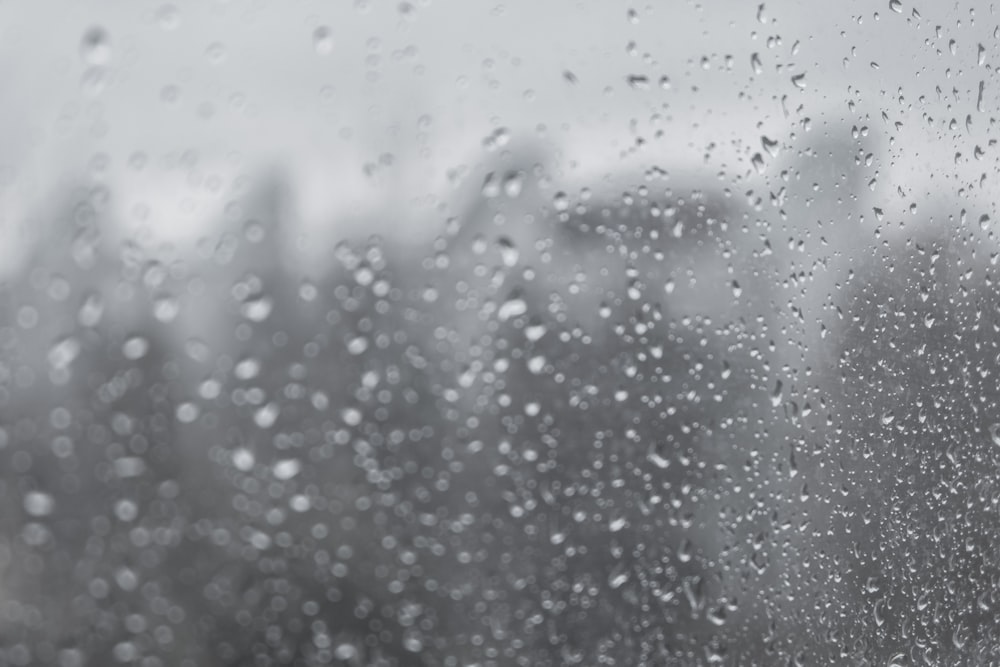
[{"x": 481, "y": 334}]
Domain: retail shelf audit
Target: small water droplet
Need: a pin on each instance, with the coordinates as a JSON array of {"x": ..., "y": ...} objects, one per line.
[
  {"x": 95, "y": 47},
  {"x": 126, "y": 510},
  {"x": 509, "y": 253},
  {"x": 513, "y": 184},
  {"x": 64, "y": 353},
  {"x": 776, "y": 395},
  {"x": 91, "y": 311},
  {"x": 243, "y": 459},
  {"x": 258, "y": 309},
  {"x": 619, "y": 575},
  {"x": 514, "y": 306},
  {"x": 38, "y": 503},
  {"x": 323, "y": 40},
  {"x": 770, "y": 145},
  {"x": 286, "y": 469},
  {"x": 168, "y": 17},
  {"x": 266, "y": 415},
  {"x": 187, "y": 412}
]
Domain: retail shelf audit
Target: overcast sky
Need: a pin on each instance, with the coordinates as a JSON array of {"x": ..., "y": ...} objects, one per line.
[{"x": 201, "y": 94}]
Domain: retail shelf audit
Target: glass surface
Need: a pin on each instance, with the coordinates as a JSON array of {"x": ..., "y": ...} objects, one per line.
[{"x": 473, "y": 334}]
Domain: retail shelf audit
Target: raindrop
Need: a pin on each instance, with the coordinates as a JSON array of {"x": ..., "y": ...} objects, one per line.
[
  {"x": 126, "y": 510},
  {"x": 216, "y": 53},
  {"x": 513, "y": 184},
  {"x": 168, "y": 17},
  {"x": 95, "y": 47},
  {"x": 258, "y": 309},
  {"x": 266, "y": 415},
  {"x": 323, "y": 40},
  {"x": 770, "y": 145},
  {"x": 38, "y": 503},
  {"x": 286, "y": 469},
  {"x": 508, "y": 251},
  {"x": 187, "y": 412},
  {"x": 91, "y": 311},
  {"x": 64, "y": 353},
  {"x": 685, "y": 551},
  {"x": 619, "y": 575},
  {"x": 514, "y": 306},
  {"x": 243, "y": 459},
  {"x": 534, "y": 332},
  {"x": 776, "y": 395}
]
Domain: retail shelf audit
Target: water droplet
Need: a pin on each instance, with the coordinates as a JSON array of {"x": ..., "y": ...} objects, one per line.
[
  {"x": 536, "y": 364},
  {"x": 95, "y": 47},
  {"x": 896, "y": 6},
  {"x": 638, "y": 81},
  {"x": 509, "y": 253},
  {"x": 776, "y": 395},
  {"x": 357, "y": 345},
  {"x": 560, "y": 201},
  {"x": 491, "y": 186},
  {"x": 126, "y": 510},
  {"x": 323, "y": 40},
  {"x": 351, "y": 416},
  {"x": 770, "y": 145},
  {"x": 187, "y": 412},
  {"x": 345, "y": 652},
  {"x": 64, "y": 353},
  {"x": 243, "y": 459},
  {"x": 514, "y": 306},
  {"x": 91, "y": 311},
  {"x": 413, "y": 643},
  {"x": 216, "y": 53},
  {"x": 129, "y": 466},
  {"x": 168, "y": 17},
  {"x": 266, "y": 415},
  {"x": 535, "y": 331},
  {"x": 247, "y": 368},
  {"x": 619, "y": 575},
  {"x": 38, "y": 503},
  {"x": 513, "y": 184},
  {"x": 258, "y": 309},
  {"x": 685, "y": 551},
  {"x": 286, "y": 469}
]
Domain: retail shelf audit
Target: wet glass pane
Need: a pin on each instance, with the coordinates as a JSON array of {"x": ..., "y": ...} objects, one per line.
[{"x": 460, "y": 334}]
